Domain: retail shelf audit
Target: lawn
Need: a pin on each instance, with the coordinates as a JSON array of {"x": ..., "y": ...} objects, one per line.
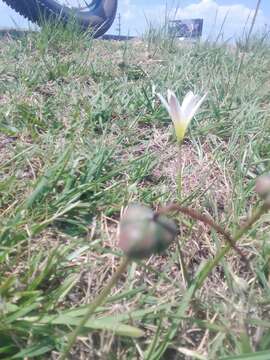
[{"x": 82, "y": 135}]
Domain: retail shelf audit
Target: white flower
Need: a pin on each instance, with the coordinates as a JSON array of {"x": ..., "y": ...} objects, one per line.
[{"x": 181, "y": 115}]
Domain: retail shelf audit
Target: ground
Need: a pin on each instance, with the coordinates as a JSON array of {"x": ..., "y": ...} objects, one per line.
[{"x": 83, "y": 134}]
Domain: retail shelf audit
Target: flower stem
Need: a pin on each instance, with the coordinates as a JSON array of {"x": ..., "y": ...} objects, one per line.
[
  {"x": 203, "y": 274},
  {"x": 182, "y": 265},
  {"x": 179, "y": 192},
  {"x": 179, "y": 171},
  {"x": 239, "y": 233},
  {"x": 207, "y": 221},
  {"x": 99, "y": 300}
]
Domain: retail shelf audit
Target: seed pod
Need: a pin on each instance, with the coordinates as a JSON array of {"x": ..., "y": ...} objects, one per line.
[
  {"x": 262, "y": 186},
  {"x": 142, "y": 234}
]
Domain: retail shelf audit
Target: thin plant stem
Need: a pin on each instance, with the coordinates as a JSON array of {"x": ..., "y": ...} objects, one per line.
[
  {"x": 230, "y": 243},
  {"x": 242, "y": 57},
  {"x": 179, "y": 188},
  {"x": 99, "y": 300},
  {"x": 182, "y": 264},
  {"x": 179, "y": 170},
  {"x": 203, "y": 274},
  {"x": 239, "y": 233},
  {"x": 206, "y": 220},
  {"x": 253, "y": 22}
]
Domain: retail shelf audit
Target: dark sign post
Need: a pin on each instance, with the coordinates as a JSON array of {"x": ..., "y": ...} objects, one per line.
[{"x": 188, "y": 28}]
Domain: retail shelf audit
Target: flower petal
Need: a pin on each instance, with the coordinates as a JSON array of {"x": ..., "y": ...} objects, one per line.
[
  {"x": 164, "y": 102},
  {"x": 190, "y": 106},
  {"x": 181, "y": 115},
  {"x": 170, "y": 93},
  {"x": 175, "y": 108},
  {"x": 192, "y": 111},
  {"x": 187, "y": 99}
]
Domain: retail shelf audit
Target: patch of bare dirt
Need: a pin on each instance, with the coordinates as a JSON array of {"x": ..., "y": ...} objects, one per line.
[{"x": 201, "y": 172}]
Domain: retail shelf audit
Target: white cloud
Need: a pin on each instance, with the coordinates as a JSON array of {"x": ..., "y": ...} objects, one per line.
[
  {"x": 213, "y": 13},
  {"x": 236, "y": 16},
  {"x": 127, "y": 9}
]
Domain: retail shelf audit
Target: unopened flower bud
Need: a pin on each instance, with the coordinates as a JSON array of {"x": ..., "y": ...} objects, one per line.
[
  {"x": 142, "y": 234},
  {"x": 262, "y": 186}
]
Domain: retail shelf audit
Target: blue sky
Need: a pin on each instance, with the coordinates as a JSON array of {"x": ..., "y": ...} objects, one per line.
[{"x": 136, "y": 13}]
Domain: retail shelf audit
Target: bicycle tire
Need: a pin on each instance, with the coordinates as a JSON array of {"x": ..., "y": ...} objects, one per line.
[{"x": 99, "y": 18}]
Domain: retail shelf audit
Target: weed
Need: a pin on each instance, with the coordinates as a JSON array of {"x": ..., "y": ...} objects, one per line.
[{"x": 81, "y": 137}]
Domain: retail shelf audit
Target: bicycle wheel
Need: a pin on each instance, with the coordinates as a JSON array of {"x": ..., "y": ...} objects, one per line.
[{"x": 98, "y": 15}]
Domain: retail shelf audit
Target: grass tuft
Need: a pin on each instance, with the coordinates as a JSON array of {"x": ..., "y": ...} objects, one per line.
[{"x": 82, "y": 135}]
